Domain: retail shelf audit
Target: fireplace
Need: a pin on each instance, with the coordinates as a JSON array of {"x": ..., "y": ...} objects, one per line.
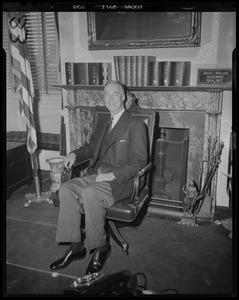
[{"x": 188, "y": 116}]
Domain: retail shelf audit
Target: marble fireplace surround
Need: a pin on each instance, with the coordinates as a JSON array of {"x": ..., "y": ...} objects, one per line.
[{"x": 196, "y": 108}]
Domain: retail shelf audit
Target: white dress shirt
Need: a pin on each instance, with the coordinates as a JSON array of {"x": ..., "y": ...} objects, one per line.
[{"x": 116, "y": 118}]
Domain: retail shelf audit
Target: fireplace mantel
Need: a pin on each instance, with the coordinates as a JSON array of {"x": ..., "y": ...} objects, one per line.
[
  {"x": 178, "y": 107},
  {"x": 206, "y": 88}
]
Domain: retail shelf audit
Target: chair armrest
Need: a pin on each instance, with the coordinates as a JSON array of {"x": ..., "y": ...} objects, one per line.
[
  {"x": 78, "y": 163},
  {"x": 136, "y": 189},
  {"x": 80, "y": 167}
]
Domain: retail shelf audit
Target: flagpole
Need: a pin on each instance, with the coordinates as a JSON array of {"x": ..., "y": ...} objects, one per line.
[
  {"x": 23, "y": 83},
  {"x": 36, "y": 177}
]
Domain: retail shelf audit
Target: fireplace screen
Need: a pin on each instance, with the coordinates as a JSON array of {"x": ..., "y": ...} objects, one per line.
[{"x": 170, "y": 175}]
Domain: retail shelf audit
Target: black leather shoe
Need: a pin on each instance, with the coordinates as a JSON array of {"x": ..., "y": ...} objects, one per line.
[
  {"x": 68, "y": 258},
  {"x": 98, "y": 260}
]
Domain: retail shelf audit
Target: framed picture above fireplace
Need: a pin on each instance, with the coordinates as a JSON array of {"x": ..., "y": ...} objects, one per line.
[{"x": 135, "y": 30}]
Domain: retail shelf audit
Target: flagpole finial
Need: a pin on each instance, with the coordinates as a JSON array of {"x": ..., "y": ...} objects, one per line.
[{"x": 18, "y": 29}]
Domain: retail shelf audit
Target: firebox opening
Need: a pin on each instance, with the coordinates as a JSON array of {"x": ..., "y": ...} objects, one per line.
[{"x": 169, "y": 179}]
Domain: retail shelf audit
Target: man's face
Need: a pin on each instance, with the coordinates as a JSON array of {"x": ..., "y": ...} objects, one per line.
[{"x": 113, "y": 99}]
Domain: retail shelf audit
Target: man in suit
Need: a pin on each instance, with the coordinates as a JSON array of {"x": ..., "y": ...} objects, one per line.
[{"x": 119, "y": 150}]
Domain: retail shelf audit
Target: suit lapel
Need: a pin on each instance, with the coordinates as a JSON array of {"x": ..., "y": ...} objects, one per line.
[
  {"x": 101, "y": 135},
  {"x": 120, "y": 126}
]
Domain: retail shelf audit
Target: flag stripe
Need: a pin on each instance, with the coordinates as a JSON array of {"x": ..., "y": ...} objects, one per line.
[{"x": 22, "y": 76}]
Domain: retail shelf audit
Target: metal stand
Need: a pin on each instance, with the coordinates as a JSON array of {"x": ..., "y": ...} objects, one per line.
[
  {"x": 161, "y": 181},
  {"x": 38, "y": 196}
]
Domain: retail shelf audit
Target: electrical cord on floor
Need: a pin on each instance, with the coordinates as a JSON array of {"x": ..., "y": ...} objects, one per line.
[
  {"x": 169, "y": 290},
  {"x": 145, "y": 291},
  {"x": 145, "y": 280}
]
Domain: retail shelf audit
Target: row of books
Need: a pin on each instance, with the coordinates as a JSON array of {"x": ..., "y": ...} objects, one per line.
[
  {"x": 170, "y": 73},
  {"x": 133, "y": 70},
  {"x": 130, "y": 70},
  {"x": 87, "y": 73},
  {"x": 146, "y": 71}
]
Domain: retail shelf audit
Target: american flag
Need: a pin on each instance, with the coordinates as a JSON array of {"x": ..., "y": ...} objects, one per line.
[{"x": 21, "y": 73}]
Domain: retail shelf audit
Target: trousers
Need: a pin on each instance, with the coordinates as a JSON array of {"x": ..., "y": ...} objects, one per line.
[{"x": 95, "y": 198}]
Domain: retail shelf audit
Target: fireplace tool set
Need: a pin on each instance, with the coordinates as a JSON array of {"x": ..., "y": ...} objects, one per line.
[{"x": 194, "y": 195}]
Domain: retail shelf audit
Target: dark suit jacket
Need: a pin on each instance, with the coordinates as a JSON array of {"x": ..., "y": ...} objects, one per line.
[{"x": 125, "y": 153}]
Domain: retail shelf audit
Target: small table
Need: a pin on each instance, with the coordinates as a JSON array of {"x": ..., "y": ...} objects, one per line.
[{"x": 18, "y": 167}]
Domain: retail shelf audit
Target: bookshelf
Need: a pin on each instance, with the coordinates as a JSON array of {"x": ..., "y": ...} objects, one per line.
[{"x": 137, "y": 73}]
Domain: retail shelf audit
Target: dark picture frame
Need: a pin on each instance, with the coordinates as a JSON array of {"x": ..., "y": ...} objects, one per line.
[{"x": 135, "y": 30}]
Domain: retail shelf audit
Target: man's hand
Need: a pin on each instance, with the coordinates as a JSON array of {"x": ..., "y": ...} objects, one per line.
[
  {"x": 105, "y": 177},
  {"x": 69, "y": 160}
]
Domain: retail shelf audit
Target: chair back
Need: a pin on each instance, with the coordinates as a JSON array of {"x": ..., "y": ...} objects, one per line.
[{"x": 149, "y": 116}]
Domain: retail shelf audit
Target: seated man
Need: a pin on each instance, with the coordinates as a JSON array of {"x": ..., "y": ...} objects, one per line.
[{"x": 118, "y": 153}]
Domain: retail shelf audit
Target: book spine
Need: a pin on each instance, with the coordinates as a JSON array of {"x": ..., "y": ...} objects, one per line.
[
  {"x": 100, "y": 73},
  {"x": 95, "y": 74},
  {"x": 139, "y": 69},
  {"x": 166, "y": 73},
  {"x": 187, "y": 73},
  {"x": 122, "y": 69},
  {"x": 127, "y": 71},
  {"x": 146, "y": 69},
  {"x": 133, "y": 70},
  {"x": 116, "y": 63},
  {"x": 155, "y": 73},
  {"x": 81, "y": 74},
  {"x": 69, "y": 68},
  {"x": 178, "y": 69}
]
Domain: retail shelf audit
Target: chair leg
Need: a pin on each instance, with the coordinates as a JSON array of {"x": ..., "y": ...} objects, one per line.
[
  {"x": 82, "y": 228},
  {"x": 118, "y": 238}
]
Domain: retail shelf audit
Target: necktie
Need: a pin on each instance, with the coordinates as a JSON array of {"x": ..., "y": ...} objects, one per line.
[{"x": 109, "y": 127}]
